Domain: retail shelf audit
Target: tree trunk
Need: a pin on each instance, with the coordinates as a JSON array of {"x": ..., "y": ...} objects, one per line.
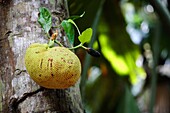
[{"x": 18, "y": 29}]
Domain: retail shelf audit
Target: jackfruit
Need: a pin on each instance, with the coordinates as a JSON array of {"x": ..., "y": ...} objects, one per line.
[{"x": 53, "y": 68}]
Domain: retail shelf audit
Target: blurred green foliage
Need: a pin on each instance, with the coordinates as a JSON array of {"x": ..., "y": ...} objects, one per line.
[{"x": 123, "y": 31}]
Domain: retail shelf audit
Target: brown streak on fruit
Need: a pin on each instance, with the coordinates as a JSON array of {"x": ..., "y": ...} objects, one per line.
[
  {"x": 41, "y": 63},
  {"x": 47, "y": 64},
  {"x": 51, "y": 65},
  {"x": 40, "y": 75},
  {"x": 51, "y": 62}
]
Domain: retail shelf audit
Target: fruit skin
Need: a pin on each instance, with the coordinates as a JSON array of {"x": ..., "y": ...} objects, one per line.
[{"x": 54, "y": 68}]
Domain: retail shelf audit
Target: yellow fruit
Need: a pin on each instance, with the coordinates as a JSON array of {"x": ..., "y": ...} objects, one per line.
[{"x": 54, "y": 68}]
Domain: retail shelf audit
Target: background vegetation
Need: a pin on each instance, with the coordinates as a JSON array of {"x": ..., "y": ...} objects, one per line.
[{"x": 132, "y": 74}]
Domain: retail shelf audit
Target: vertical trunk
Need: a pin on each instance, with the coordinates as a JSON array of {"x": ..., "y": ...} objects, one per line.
[{"x": 18, "y": 29}]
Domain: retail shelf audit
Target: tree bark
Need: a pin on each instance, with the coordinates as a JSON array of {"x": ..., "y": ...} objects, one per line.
[{"x": 18, "y": 29}]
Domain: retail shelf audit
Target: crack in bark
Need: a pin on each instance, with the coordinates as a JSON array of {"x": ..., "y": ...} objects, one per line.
[
  {"x": 18, "y": 71},
  {"x": 15, "y": 101}
]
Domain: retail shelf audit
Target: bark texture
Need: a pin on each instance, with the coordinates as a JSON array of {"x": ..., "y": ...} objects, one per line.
[{"x": 18, "y": 29}]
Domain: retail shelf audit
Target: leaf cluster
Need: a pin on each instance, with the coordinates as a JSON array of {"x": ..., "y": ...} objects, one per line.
[{"x": 45, "y": 20}]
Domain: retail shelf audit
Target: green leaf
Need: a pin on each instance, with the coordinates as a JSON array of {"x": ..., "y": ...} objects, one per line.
[
  {"x": 86, "y": 36},
  {"x": 68, "y": 28},
  {"x": 45, "y": 19}
]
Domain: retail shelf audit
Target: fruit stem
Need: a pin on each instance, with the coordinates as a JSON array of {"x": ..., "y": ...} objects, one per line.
[
  {"x": 78, "y": 46},
  {"x": 77, "y": 29},
  {"x": 57, "y": 42},
  {"x": 71, "y": 21}
]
